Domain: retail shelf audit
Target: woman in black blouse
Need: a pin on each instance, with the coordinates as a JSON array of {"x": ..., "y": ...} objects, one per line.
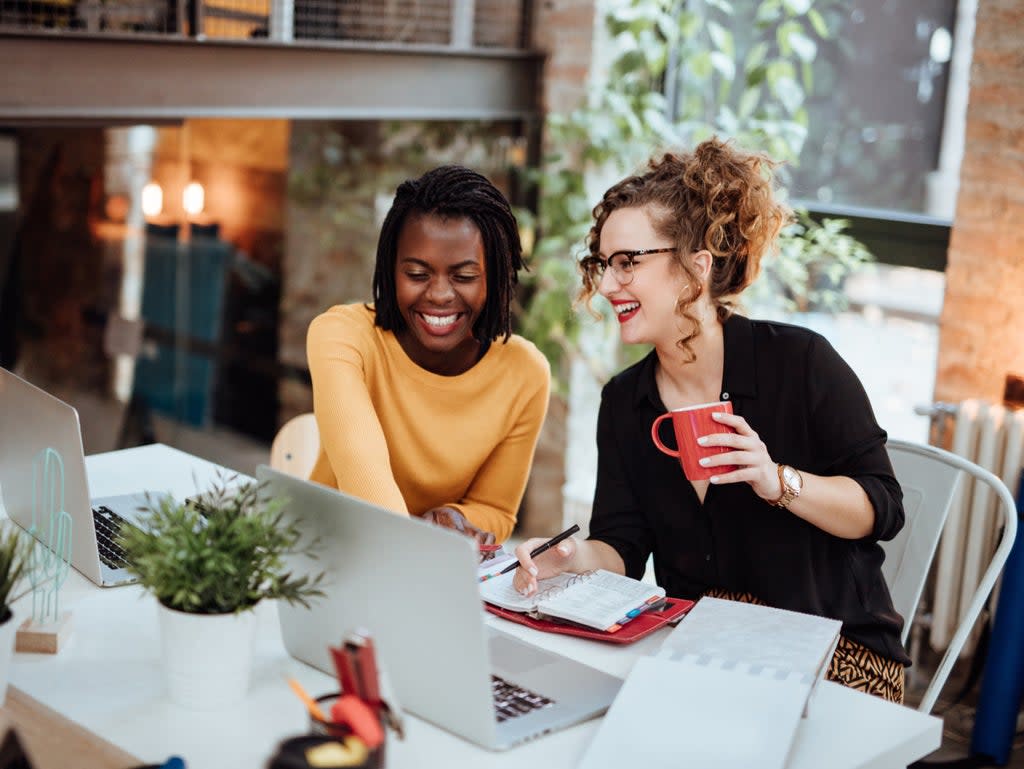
[{"x": 797, "y": 524}]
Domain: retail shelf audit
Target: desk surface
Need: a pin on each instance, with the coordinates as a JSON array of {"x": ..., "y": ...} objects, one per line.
[
  {"x": 36, "y": 726},
  {"x": 108, "y": 678}
]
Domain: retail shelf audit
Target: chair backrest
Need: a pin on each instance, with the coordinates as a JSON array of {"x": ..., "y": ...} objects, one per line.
[
  {"x": 296, "y": 446},
  {"x": 929, "y": 477},
  {"x": 929, "y": 487}
]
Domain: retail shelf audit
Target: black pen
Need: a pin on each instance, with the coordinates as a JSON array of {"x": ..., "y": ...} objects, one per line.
[{"x": 541, "y": 548}]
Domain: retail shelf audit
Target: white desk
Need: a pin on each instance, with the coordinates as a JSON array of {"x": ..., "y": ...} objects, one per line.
[{"x": 108, "y": 678}]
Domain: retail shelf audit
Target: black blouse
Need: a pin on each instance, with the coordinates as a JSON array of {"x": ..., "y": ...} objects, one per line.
[{"x": 811, "y": 411}]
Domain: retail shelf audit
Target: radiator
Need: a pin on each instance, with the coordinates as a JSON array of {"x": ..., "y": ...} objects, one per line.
[{"x": 992, "y": 437}]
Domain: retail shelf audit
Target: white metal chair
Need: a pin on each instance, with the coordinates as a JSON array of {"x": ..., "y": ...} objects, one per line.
[
  {"x": 296, "y": 446},
  {"x": 929, "y": 477}
]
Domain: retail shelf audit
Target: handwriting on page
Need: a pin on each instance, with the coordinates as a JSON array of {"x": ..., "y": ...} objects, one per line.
[
  {"x": 500, "y": 591},
  {"x": 603, "y": 594}
]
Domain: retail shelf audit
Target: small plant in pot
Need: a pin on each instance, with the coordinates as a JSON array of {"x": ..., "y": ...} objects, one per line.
[
  {"x": 15, "y": 564},
  {"x": 209, "y": 562}
]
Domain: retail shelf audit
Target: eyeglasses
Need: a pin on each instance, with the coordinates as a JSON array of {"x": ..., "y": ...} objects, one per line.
[{"x": 621, "y": 262}]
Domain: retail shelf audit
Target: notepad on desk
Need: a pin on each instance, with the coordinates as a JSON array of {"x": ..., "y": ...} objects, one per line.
[
  {"x": 727, "y": 689},
  {"x": 763, "y": 637},
  {"x": 597, "y": 599}
]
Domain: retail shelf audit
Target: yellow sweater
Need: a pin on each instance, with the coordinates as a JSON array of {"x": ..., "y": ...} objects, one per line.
[{"x": 410, "y": 440}]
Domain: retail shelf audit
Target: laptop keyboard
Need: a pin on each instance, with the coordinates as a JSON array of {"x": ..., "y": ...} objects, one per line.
[
  {"x": 108, "y": 524},
  {"x": 511, "y": 700}
]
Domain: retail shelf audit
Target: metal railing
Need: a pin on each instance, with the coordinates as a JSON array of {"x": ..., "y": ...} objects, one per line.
[{"x": 459, "y": 24}]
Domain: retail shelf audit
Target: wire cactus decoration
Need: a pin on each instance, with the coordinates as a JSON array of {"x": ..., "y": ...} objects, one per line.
[{"x": 50, "y": 564}]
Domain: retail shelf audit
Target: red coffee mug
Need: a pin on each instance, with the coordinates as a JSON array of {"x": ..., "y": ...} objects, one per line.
[{"x": 691, "y": 423}]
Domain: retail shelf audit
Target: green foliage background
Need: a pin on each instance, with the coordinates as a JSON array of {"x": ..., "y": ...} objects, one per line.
[
  {"x": 680, "y": 72},
  {"x": 16, "y": 549}
]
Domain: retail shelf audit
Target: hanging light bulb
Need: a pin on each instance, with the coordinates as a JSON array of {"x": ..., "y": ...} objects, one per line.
[
  {"x": 152, "y": 199},
  {"x": 193, "y": 199}
]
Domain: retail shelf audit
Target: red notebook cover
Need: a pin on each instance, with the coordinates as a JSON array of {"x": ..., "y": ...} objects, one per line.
[{"x": 643, "y": 625}]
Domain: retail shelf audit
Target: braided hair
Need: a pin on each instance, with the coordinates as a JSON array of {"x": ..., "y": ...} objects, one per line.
[{"x": 454, "y": 192}]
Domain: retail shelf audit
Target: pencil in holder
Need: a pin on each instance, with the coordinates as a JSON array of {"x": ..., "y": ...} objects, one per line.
[{"x": 345, "y": 735}]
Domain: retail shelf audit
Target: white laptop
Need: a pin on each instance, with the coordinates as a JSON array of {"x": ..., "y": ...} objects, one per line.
[
  {"x": 32, "y": 421},
  {"x": 414, "y": 586}
]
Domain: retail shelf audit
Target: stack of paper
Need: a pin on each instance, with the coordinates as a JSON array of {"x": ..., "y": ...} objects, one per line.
[
  {"x": 727, "y": 689},
  {"x": 761, "y": 636}
]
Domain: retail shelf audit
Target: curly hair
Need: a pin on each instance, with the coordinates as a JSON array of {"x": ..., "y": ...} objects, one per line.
[
  {"x": 454, "y": 192},
  {"x": 715, "y": 198}
]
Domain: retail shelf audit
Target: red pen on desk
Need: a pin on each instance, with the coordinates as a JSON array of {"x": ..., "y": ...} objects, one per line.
[
  {"x": 359, "y": 645},
  {"x": 346, "y": 671}
]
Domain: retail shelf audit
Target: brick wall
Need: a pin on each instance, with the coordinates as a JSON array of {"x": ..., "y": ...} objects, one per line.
[
  {"x": 565, "y": 30},
  {"x": 982, "y": 323}
]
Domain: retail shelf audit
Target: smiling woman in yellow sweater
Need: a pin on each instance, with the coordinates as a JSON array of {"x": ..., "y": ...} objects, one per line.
[{"x": 427, "y": 404}]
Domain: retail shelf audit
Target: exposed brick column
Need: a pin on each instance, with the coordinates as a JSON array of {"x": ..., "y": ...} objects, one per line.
[
  {"x": 982, "y": 323},
  {"x": 565, "y": 30}
]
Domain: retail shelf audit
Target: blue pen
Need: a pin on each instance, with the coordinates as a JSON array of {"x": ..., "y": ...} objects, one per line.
[{"x": 634, "y": 613}]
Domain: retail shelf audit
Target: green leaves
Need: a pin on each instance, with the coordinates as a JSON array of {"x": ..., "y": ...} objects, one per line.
[
  {"x": 15, "y": 559},
  {"x": 224, "y": 559},
  {"x": 792, "y": 41},
  {"x": 678, "y": 73},
  {"x": 813, "y": 259}
]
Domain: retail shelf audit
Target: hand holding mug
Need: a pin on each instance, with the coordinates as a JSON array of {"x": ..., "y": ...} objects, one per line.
[
  {"x": 739, "y": 456},
  {"x": 691, "y": 425}
]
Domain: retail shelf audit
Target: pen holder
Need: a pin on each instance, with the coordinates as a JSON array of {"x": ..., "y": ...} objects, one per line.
[{"x": 374, "y": 758}]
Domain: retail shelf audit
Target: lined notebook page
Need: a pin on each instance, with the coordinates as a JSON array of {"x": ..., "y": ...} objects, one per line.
[
  {"x": 499, "y": 591},
  {"x": 599, "y": 599}
]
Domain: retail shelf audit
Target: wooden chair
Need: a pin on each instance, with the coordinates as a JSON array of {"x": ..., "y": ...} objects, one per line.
[{"x": 296, "y": 446}]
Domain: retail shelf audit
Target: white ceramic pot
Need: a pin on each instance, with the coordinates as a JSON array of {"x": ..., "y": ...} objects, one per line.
[
  {"x": 207, "y": 658},
  {"x": 7, "y": 632}
]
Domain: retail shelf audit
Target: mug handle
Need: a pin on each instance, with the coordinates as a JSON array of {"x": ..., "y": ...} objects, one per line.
[{"x": 657, "y": 440}]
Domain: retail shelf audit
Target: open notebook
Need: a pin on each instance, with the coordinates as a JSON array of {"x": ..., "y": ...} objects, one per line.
[
  {"x": 597, "y": 599},
  {"x": 727, "y": 689}
]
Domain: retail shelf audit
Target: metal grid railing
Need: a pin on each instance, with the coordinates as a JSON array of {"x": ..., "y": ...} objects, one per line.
[
  {"x": 456, "y": 23},
  {"x": 91, "y": 16},
  {"x": 499, "y": 24},
  {"x": 393, "y": 21}
]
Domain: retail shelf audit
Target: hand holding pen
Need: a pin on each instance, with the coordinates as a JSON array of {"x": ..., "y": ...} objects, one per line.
[
  {"x": 540, "y": 548},
  {"x": 562, "y": 548}
]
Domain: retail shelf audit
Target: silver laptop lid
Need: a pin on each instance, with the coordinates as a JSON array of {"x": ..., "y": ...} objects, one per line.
[
  {"x": 432, "y": 640},
  {"x": 32, "y": 421}
]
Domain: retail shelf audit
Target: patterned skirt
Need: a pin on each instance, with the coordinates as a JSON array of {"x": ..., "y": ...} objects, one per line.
[{"x": 852, "y": 664}]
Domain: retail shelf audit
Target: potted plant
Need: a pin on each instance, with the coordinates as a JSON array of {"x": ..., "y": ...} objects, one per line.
[
  {"x": 209, "y": 562},
  {"x": 15, "y": 563}
]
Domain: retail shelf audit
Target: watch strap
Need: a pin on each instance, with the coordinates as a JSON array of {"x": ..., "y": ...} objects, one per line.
[{"x": 788, "y": 492}]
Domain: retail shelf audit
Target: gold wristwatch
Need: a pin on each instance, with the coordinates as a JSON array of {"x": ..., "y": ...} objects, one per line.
[{"x": 792, "y": 484}]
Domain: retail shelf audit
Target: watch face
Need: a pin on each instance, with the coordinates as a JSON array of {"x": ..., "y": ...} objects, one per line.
[{"x": 792, "y": 477}]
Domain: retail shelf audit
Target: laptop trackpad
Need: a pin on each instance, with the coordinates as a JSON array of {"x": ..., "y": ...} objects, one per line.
[{"x": 515, "y": 656}]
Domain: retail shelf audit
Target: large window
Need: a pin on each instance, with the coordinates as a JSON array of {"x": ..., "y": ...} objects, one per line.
[{"x": 878, "y": 103}]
